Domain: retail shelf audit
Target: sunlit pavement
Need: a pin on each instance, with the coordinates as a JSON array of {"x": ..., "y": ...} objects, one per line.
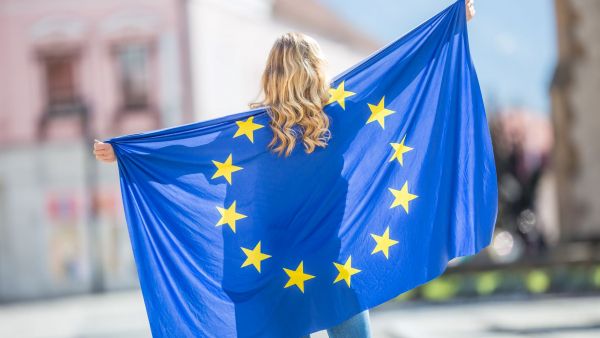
[{"x": 122, "y": 315}]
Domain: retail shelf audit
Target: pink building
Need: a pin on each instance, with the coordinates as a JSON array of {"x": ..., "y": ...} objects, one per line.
[
  {"x": 70, "y": 71},
  {"x": 106, "y": 67},
  {"x": 73, "y": 70}
]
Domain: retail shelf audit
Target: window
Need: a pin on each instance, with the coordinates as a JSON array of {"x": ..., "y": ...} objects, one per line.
[
  {"x": 132, "y": 63},
  {"x": 64, "y": 113},
  {"x": 60, "y": 79}
]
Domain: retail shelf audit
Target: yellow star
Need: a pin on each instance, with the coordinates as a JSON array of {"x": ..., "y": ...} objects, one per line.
[
  {"x": 339, "y": 95},
  {"x": 225, "y": 169},
  {"x": 345, "y": 271},
  {"x": 229, "y": 216},
  {"x": 399, "y": 150},
  {"x": 297, "y": 277},
  {"x": 402, "y": 197},
  {"x": 247, "y": 128},
  {"x": 383, "y": 243},
  {"x": 254, "y": 257},
  {"x": 379, "y": 112}
]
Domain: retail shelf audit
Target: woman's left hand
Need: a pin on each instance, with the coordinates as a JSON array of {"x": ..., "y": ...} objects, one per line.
[
  {"x": 104, "y": 152},
  {"x": 470, "y": 9}
]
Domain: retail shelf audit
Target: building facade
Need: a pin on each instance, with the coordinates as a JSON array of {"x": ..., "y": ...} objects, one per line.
[
  {"x": 75, "y": 70},
  {"x": 230, "y": 42},
  {"x": 576, "y": 117},
  {"x": 72, "y": 71}
]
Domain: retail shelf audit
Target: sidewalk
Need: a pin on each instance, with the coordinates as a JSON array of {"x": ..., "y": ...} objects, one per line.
[
  {"x": 573, "y": 317},
  {"x": 122, "y": 315}
]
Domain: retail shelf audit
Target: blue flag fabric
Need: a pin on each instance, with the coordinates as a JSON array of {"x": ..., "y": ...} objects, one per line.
[{"x": 232, "y": 240}]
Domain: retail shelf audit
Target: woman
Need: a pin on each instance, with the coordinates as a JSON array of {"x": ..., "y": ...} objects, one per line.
[{"x": 295, "y": 90}]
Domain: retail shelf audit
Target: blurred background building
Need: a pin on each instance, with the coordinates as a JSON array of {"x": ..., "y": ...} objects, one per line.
[
  {"x": 230, "y": 41},
  {"x": 71, "y": 71},
  {"x": 77, "y": 70}
]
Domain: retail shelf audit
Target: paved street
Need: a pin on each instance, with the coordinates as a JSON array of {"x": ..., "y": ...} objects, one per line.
[{"x": 122, "y": 315}]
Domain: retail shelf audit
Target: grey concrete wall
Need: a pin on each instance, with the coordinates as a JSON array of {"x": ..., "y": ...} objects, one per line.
[{"x": 48, "y": 241}]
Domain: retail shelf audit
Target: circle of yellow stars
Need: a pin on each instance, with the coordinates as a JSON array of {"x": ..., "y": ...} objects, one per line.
[{"x": 345, "y": 271}]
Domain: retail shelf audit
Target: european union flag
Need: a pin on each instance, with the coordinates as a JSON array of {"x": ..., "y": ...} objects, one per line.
[{"x": 232, "y": 240}]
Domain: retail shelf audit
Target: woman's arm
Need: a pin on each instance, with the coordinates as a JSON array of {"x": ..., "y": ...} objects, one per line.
[
  {"x": 104, "y": 152},
  {"x": 470, "y": 9}
]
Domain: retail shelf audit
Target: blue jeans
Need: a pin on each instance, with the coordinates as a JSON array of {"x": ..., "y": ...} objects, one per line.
[{"x": 355, "y": 327}]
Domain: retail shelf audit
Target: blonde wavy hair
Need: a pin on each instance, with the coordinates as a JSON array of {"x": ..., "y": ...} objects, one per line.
[{"x": 295, "y": 90}]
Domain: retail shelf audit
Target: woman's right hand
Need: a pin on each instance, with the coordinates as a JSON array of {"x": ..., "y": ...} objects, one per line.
[
  {"x": 470, "y": 9},
  {"x": 104, "y": 152}
]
